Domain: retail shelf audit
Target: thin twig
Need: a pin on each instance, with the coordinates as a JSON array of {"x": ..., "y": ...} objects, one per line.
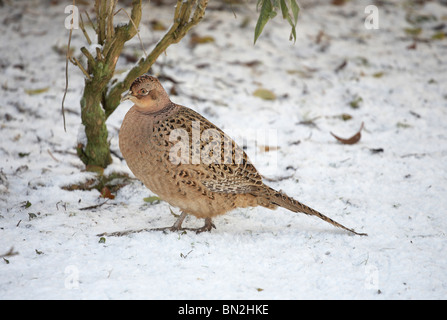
[
  {"x": 110, "y": 30},
  {"x": 51, "y": 155},
  {"x": 78, "y": 64},
  {"x": 94, "y": 206},
  {"x": 91, "y": 22},
  {"x": 10, "y": 253},
  {"x": 122, "y": 233},
  {"x": 88, "y": 55},
  {"x": 277, "y": 179}
]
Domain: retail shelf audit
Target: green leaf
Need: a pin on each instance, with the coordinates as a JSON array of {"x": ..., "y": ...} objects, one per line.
[
  {"x": 264, "y": 16},
  {"x": 438, "y": 36},
  {"x": 403, "y": 125},
  {"x": 355, "y": 103},
  {"x": 152, "y": 199},
  {"x": 292, "y": 33},
  {"x": 287, "y": 16},
  {"x": 289, "y": 12},
  {"x": 295, "y": 10},
  {"x": 413, "y": 31},
  {"x": 31, "y": 216},
  {"x": 26, "y": 204},
  {"x": 345, "y": 116},
  {"x": 265, "y": 94},
  {"x": 284, "y": 9},
  {"x": 378, "y": 74},
  {"x": 32, "y": 92}
]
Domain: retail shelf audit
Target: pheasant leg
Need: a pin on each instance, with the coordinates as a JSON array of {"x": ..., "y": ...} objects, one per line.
[
  {"x": 175, "y": 227},
  {"x": 206, "y": 228}
]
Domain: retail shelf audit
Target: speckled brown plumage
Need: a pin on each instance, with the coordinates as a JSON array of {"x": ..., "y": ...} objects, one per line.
[{"x": 200, "y": 182}]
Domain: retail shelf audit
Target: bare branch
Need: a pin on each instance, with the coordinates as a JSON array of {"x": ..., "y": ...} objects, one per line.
[
  {"x": 99, "y": 56},
  {"x": 101, "y": 97},
  {"x": 183, "y": 22},
  {"x": 79, "y": 65},
  {"x": 88, "y": 55},
  {"x": 113, "y": 47},
  {"x": 110, "y": 29},
  {"x": 101, "y": 15}
]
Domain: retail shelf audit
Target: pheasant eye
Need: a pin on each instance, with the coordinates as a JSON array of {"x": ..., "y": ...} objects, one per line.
[{"x": 143, "y": 91}]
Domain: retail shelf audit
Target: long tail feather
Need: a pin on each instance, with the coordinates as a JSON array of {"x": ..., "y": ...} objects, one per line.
[{"x": 280, "y": 199}]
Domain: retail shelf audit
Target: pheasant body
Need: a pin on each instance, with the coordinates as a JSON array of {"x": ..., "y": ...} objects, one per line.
[
  {"x": 146, "y": 145},
  {"x": 189, "y": 162}
]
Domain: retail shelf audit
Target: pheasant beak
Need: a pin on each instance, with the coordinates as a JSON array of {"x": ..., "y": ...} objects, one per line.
[{"x": 127, "y": 96}]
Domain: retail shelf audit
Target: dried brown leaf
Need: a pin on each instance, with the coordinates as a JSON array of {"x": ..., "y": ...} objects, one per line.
[
  {"x": 157, "y": 25},
  {"x": 352, "y": 140},
  {"x": 105, "y": 193},
  {"x": 197, "y": 39}
]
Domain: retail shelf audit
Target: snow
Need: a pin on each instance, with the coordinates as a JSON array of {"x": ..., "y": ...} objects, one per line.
[{"x": 397, "y": 196}]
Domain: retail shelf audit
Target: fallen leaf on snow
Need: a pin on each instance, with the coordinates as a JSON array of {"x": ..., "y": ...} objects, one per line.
[
  {"x": 403, "y": 125},
  {"x": 105, "y": 193},
  {"x": 355, "y": 102},
  {"x": 413, "y": 31},
  {"x": 196, "y": 39},
  {"x": 32, "y": 92},
  {"x": 264, "y": 94},
  {"x": 157, "y": 25},
  {"x": 152, "y": 199},
  {"x": 354, "y": 139}
]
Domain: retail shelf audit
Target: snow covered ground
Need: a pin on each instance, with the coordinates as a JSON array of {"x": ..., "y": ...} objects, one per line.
[{"x": 392, "y": 184}]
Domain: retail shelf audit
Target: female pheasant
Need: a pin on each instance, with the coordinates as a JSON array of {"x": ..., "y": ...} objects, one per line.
[{"x": 190, "y": 163}]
